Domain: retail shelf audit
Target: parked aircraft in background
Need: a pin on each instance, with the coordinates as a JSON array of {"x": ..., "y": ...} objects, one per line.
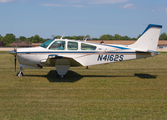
[{"x": 64, "y": 53}]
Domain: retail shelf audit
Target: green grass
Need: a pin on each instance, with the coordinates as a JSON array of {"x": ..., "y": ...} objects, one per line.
[{"x": 129, "y": 90}]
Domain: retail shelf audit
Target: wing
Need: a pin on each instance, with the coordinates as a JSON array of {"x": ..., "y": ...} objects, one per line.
[{"x": 51, "y": 60}]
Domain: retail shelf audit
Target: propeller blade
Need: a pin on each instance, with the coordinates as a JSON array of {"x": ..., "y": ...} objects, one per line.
[
  {"x": 15, "y": 57},
  {"x": 15, "y": 62}
]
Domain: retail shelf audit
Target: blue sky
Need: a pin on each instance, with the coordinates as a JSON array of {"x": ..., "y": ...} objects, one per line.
[{"x": 80, "y": 17}]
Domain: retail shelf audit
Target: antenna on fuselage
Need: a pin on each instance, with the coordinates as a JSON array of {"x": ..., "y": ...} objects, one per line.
[
  {"x": 85, "y": 39},
  {"x": 62, "y": 36}
]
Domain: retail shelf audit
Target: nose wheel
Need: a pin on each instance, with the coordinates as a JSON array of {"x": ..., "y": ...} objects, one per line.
[{"x": 20, "y": 73}]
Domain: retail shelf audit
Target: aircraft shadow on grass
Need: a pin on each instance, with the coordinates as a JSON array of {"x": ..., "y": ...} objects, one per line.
[
  {"x": 146, "y": 76},
  {"x": 72, "y": 76}
]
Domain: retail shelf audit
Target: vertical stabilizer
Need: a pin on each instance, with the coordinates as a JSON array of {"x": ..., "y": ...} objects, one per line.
[{"x": 149, "y": 39}]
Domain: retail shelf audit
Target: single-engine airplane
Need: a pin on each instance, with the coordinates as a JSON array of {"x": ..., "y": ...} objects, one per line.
[{"x": 63, "y": 53}]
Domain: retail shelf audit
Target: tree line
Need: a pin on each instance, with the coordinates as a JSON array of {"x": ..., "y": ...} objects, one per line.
[{"x": 11, "y": 38}]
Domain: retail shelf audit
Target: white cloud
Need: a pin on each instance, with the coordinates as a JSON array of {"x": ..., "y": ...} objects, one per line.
[
  {"x": 105, "y": 1},
  {"x": 61, "y": 5},
  {"x": 73, "y": 4},
  {"x": 160, "y": 10},
  {"x": 6, "y": 1},
  {"x": 75, "y": 1},
  {"x": 166, "y": 10},
  {"x": 83, "y": 3},
  {"x": 97, "y": 1},
  {"x": 129, "y": 6},
  {"x": 78, "y": 6},
  {"x": 53, "y": 5}
]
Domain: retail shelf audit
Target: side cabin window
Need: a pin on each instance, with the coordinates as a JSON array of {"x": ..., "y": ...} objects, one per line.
[
  {"x": 72, "y": 45},
  {"x": 58, "y": 45},
  {"x": 87, "y": 47}
]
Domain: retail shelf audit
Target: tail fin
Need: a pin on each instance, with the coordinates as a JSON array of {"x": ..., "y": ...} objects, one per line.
[{"x": 148, "y": 40}]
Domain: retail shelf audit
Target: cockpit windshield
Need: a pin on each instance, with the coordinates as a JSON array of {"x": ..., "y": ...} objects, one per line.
[{"x": 45, "y": 44}]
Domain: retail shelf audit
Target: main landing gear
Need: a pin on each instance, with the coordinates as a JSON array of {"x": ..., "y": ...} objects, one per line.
[
  {"x": 20, "y": 73},
  {"x": 62, "y": 66},
  {"x": 60, "y": 76}
]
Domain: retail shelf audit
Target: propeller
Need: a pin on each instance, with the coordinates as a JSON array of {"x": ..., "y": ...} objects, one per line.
[{"x": 15, "y": 57}]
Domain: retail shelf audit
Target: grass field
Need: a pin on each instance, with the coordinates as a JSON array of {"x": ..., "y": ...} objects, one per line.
[{"x": 129, "y": 90}]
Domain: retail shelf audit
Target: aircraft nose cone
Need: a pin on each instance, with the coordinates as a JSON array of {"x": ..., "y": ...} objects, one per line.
[{"x": 13, "y": 52}]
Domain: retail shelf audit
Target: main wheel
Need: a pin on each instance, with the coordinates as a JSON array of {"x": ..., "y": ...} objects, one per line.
[
  {"x": 19, "y": 74},
  {"x": 60, "y": 76}
]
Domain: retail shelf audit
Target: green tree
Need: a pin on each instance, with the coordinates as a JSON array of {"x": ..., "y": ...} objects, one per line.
[
  {"x": 117, "y": 37},
  {"x": 138, "y": 36},
  {"x": 2, "y": 44},
  {"x": 9, "y": 38},
  {"x": 163, "y": 36},
  {"x": 111, "y": 37},
  {"x": 57, "y": 37},
  {"x": 87, "y": 36},
  {"x": 74, "y": 37},
  {"x": 104, "y": 37},
  {"x": 80, "y": 37},
  {"x": 30, "y": 39},
  {"x": 125, "y": 38},
  {"x": 133, "y": 38},
  {"x": 37, "y": 39},
  {"x": 1, "y": 38},
  {"x": 95, "y": 39},
  {"x": 22, "y": 38}
]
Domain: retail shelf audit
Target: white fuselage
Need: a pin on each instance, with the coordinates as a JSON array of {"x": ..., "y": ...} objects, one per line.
[{"x": 101, "y": 55}]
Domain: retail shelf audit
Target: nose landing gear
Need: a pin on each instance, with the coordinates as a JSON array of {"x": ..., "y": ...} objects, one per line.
[{"x": 20, "y": 73}]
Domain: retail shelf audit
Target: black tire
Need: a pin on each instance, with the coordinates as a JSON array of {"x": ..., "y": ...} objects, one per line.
[
  {"x": 60, "y": 76},
  {"x": 19, "y": 74}
]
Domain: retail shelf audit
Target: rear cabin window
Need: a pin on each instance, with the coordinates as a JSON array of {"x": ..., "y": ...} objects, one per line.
[
  {"x": 72, "y": 45},
  {"x": 58, "y": 45},
  {"x": 87, "y": 47}
]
